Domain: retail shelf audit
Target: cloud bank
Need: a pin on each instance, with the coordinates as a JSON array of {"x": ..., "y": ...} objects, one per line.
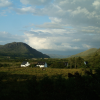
[{"x": 75, "y": 24}]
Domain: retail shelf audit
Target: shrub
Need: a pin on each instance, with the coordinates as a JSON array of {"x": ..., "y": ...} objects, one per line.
[
  {"x": 4, "y": 65},
  {"x": 32, "y": 65}
]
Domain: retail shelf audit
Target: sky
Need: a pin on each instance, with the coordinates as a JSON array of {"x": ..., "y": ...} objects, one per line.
[{"x": 63, "y": 27}]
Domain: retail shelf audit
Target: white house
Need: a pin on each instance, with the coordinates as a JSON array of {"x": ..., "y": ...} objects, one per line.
[
  {"x": 25, "y": 64},
  {"x": 42, "y": 64}
]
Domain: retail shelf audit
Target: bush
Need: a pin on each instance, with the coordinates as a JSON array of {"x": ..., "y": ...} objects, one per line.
[
  {"x": 32, "y": 65},
  {"x": 1, "y": 65},
  {"x": 4, "y": 65},
  {"x": 58, "y": 65}
]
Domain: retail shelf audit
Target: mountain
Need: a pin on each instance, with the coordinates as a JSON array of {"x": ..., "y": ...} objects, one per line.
[
  {"x": 98, "y": 51},
  {"x": 19, "y": 49},
  {"x": 88, "y": 52}
]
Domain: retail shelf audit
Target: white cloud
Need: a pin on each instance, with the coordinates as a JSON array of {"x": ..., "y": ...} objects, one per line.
[
  {"x": 54, "y": 24},
  {"x": 96, "y": 4},
  {"x": 86, "y": 46},
  {"x": 67, "y": 12},
  {"x": 6, "y": 37},
  {"x": 55, "y": 19},
  {"x": 50, "y": 26},
  {"x": 88, "y": 31},
  {"x": 52, "y": 39},
  {"x": 62, "y": 39},
  {"x": 49, "y": 39},
  {"x": 38, "y": 43},
  {"x": 5, "y": 6},
  {"x": 79, "y": 10},
  {"x": 72, "y": 12},
  {"x": 76, "y": 40},
  {"x": 25, "y": 10},
  {"x": 35, "y": 2},
  {"x": 5, "y": 3}
]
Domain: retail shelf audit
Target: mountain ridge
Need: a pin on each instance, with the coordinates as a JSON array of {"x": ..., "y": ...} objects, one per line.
[{"x": 20, "y": 49}]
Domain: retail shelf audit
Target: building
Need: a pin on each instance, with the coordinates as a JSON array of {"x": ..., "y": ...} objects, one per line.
[
  {"x": 41, "y": 64},
  {"x": 66, "y": 64},
  {"x": 85, "y": 62},
  {"x": 25, "y": 64}
]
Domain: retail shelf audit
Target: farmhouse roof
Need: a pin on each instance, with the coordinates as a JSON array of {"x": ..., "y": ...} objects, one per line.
[
  {"x": 24, "y": 62},
  {"x": 40, "y": 63}
]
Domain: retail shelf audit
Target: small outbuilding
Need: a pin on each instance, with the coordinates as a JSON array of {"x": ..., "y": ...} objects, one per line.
[
  {"x": 41, "y": 64},
  {"x": 85, "y": 62},
  {"x": 66, "y": 64},
  {"x": 25, "y": 64}
]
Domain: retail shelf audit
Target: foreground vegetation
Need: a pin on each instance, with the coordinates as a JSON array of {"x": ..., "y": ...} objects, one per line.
[
  {"x": 38, "y": 72},
  {"x": 57, "y": 82},
  {"x": 52, "y": 83}
]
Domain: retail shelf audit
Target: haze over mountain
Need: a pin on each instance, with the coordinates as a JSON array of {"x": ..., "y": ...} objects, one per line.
[
  {"x": 19, "y": 49},
  {"x": 58, "y": 56}
]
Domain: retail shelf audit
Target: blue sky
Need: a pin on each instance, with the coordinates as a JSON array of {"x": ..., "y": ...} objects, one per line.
[{"x": 51, "y": 26}]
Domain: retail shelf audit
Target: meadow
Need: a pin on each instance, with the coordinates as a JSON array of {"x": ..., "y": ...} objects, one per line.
[
  {"x": 53, "y": 83},
  {"x": 40, "y": 73}
]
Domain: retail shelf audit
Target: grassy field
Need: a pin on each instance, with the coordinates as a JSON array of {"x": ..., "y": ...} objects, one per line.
[
  {"x": 39, "y": 73},
  {"x": 50, "y": 84}
]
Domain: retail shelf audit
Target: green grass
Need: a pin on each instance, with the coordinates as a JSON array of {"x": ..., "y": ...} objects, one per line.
[
  {"x": 39, "y": 72},
  {"x": 51, "y": 84}
]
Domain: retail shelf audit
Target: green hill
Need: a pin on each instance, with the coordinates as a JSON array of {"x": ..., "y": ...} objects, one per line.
[
  {"x": 98, "y": 51},
  {"x": 88, "y": 52},
  {"x": 1, "y": 45},
  {"x": 19, "y": 49}
]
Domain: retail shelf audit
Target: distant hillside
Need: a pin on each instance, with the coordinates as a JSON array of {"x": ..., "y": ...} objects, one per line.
[
  {"x": 57, "y": 56},
  {"x": 1, "y": 45},
  {"x": 19, "y": 49},
  {"x": 98, "y": 51},
  {"x": 88, "y": 52}
]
